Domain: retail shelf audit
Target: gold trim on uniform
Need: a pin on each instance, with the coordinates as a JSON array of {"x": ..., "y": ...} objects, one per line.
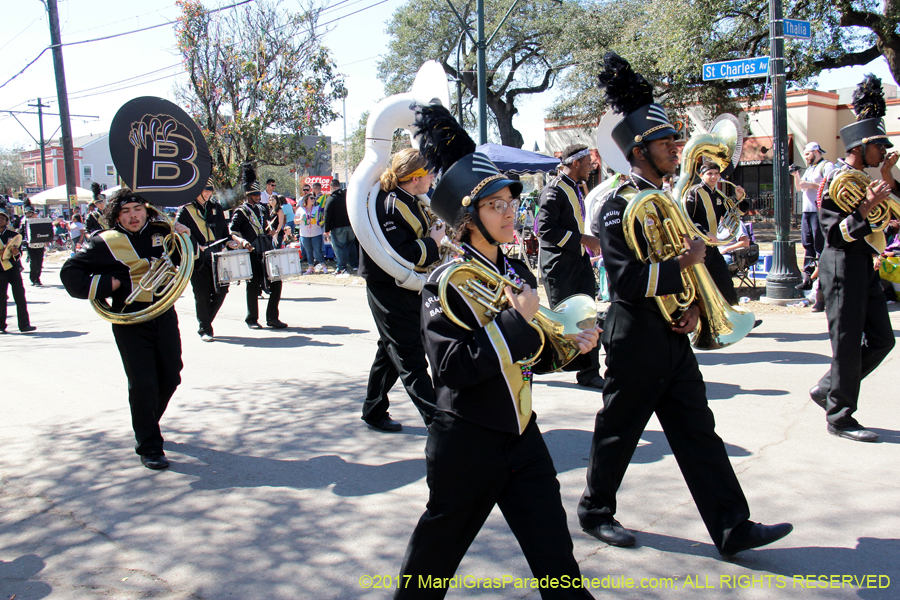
[
  {"x": 200, "y": 222},
  {"x": 424, "y": 255},
  {"x": 410, "y": 218},
  {"x": 576, "y": 208},
  {"x": 845, "y": 233},
  {"x": 652, "y": 279},
  {"x": 565, "y": 239},
  {"x": 95, "y": 283},
  {"x": 120, "y": 247}
]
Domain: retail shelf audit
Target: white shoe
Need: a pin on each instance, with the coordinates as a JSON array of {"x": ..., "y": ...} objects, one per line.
[{"x": 206, "y": 337}]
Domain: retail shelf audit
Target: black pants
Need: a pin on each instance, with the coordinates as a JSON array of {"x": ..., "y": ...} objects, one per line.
[
  {"x": 208, "y": 298},
  {"x": 811, "y": 237},
  {"x": 255, "y": 286},
  {"x": 151, "y": 355},
  {"x": 855, "y": 306},
  {"x": 566, "y": 274},
  {"x": 651, "y": 369},
  {"x": 471, "y": 469},
  {"x": 12, "y": 278},
  {"x": 718, "y": 270},
  {"x": 401, "y": 353},
  {"x": 36, "y": 260}
]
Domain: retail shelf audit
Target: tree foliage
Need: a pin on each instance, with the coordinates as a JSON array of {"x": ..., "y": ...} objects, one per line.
[
  {"x": 259, "y": 81},
  {"x": 12, "y": 173},
  {"x": 519, "y": 59},
  {"x": 669, "y": 41}
]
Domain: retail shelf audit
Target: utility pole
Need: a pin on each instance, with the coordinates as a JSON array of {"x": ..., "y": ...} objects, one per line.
[
  {"x": 346, "y": 177},
  {"x": 63, "y": 97},
  {"x": 40, "y": 106},
  {"x": 784, "y": 274}
]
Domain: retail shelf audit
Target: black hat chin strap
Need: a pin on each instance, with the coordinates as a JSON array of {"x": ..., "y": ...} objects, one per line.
[
  {"x": 645, "y": 152},
  {"x": 862, "y": 155},
  {"x": 481, "y": 228}
]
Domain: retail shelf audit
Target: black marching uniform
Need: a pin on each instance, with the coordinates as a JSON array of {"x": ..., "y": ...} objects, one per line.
[
  {"x": 249, "y": 222},
  {"x": 396, "y": 310},
  {"x": 93, "y": 223},
  {"x": 11, "y": 277},
  {"x": 706, "y": 207},
  {"x": 150, "y": 351},
  {"x": 208, "y": 225},
  {"x": 35, "y": 256},
  {"x": 484, "y": 447},
  {"x": 637, "y": 337},
  {"x": 854, "y": 304},
  {"x": 565, "y": 262}
]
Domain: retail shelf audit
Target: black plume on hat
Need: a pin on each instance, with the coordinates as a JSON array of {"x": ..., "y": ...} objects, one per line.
[
  {"x": 625, "y": 90},
  {"x": 444, "y": 141},
  {"x": 868, "y": 99},
  {"x": 248, "y": 179},
  {"x": 95, "y": 190}
]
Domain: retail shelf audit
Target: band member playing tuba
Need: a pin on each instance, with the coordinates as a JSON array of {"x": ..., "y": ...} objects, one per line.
[
  {"x": 209, "y": 231},
  {"x": 858, "y": 323},
  {"x": 484, "y": 447},
  {"x": 400, "y": 353},
  {"x": 110, "y": 264},
  {"x": 636, "y": 335},
  {"x": 565, "y": 246},
  {"x": 249, "y": 229},
  {"x": 705, "y": 205}
]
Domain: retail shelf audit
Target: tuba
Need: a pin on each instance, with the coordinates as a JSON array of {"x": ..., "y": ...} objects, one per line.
[
  {"x": 848, "y": 190},
  {"x": 664, "y": 227},
  {"x": 392, "y": 113},
  {"x": 557, "y": 327},
  {"x": 165, "y": 281},
  {"x": 722, "y": 146}
]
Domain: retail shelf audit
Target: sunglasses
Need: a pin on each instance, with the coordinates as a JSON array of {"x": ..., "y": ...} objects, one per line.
[
  {"x": 305, "y": 189},
  {"x": 209, "y": 188}
]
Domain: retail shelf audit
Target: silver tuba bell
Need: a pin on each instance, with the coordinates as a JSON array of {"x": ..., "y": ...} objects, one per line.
[{"x": 392, "y": 113}]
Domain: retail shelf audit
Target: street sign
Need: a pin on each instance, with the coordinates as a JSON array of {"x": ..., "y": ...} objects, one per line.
[
  {"x": 795, "y": 28},
  {"x": 33, "y": 190},
  {"x": 736, "y": 69}
]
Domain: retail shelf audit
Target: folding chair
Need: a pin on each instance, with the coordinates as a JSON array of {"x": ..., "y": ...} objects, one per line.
[{"x": 744, "y": 265}]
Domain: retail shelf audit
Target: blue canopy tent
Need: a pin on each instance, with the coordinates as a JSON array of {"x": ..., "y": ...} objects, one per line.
[{"x": 518, "y": 161}]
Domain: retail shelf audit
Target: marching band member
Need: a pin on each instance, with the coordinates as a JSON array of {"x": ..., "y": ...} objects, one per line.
[
  {"x": 248, "y": 228},
  {"x": 209, "y": 230},
  {"x": 11, "y": 274},
  {"x": 35, "y": 250},
  {"x": 565, "y": 262},
  {"x": 94, "y": 220},
  {"x": 636, "y": 336},
  {"x": 704, "y": 205},
  {"x": 484, "y": 447},
  {"x": 858, "y": 322},
  {"x": 109, "y": 264},
  {"x": 400, "y": 351}
]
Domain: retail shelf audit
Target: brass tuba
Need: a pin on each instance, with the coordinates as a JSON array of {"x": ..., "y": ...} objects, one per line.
[
  {"x": 848, "y": 190},
  {"x": 664, "y": 227},
  {"x": 720, "y": 146},
  {"x": 558, "y": 327},
  {"x": 164, "y": 279}
]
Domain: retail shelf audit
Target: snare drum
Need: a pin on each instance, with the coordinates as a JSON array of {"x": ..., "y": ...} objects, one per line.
[
  {"x": 282, "y": 265},
  {"x": 230, "y": 266}
]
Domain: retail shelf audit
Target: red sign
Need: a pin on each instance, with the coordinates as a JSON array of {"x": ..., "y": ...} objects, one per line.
[{"x": 323, "y": 180}]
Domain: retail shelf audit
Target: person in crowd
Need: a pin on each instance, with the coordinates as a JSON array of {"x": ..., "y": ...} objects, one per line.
[
  {"x": 11, "y": 275},
  {"x": 77, "y": 230},
  {"x": 277, "y": 220},
  {"x": 310, "y": 218},
  {"x": 741, "y": 239},
  {"x": 811, "y": 236},
  {"x": 268, "y": 192},
  {"x": 343, "y": 240},
  {"x": 288, "y": 209}
]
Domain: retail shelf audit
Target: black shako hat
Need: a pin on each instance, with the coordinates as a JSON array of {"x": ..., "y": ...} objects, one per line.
[
  {"x": 159, "y": 151},
  {"x": 466, "y": 175},
  {"x": 869, "y": 108},
  {"x": 631, "y": 95}
]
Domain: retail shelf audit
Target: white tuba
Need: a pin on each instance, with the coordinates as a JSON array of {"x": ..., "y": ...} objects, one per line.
[{"x": 392, "y": 113}]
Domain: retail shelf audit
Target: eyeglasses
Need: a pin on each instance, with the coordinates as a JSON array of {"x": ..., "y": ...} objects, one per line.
[{"x": 501, "y": 206}]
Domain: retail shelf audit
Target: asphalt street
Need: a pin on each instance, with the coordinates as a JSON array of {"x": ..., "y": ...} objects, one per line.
[{"x": 278, "y": 491}]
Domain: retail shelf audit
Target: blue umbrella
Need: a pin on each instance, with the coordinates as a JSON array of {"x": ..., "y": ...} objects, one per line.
[{"x": 518, "y": 161}]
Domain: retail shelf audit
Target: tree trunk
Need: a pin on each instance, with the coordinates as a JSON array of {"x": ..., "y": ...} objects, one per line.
[{"x": 504, "y": 112}]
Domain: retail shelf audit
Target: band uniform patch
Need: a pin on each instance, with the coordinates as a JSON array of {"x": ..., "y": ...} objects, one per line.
[{"x": 157, "y": 240}]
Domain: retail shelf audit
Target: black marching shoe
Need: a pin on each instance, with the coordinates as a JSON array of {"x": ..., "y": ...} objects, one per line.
[
  {"x": 857, "y": 433},
  {"x": 276, "y": 324},
  {"x": 757, "y": 323},
  {"x": 749, "y": 535},
  {"x": 254, "y": 325},
  {"x": 595, "y": 382},
  {"x": 28, "y": 329},
  {"x": 385, "y": 423},
  {"x": 818, "y": 396},
  {"x": 156, "y": 461},
  {"x": 612, "y": 533}
]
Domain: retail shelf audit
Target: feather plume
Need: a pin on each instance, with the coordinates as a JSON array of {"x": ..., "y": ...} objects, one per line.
[
  {"x": 443, "y": 140},
  {"x": 626, "y": 90},
  {"x": 248, "y": 175},
  {"x": 95, "y": 190},
  {"x": 868, "y": 99}
]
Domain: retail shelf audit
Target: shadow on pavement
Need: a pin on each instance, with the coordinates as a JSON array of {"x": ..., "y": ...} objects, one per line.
[
  {"x": 16, "y": 578},
  {"x": 328, "y": 330},
  {"x": 292, "y": 341},
  {"x": 773, "y": 357},
  {"x": 793, "y": 337},
  {"x": 725, "y": 391},
  {"x": 316, "y": 299},
  {"x": 57, "y": 334}
]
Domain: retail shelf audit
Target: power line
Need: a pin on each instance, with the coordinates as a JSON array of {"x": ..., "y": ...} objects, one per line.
[
  {"x": 128, "y": 79},
  {"x": 350, "y": 14},
  {"x": 125, "y": 87},
  {"x": 24, "y": 68}
]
